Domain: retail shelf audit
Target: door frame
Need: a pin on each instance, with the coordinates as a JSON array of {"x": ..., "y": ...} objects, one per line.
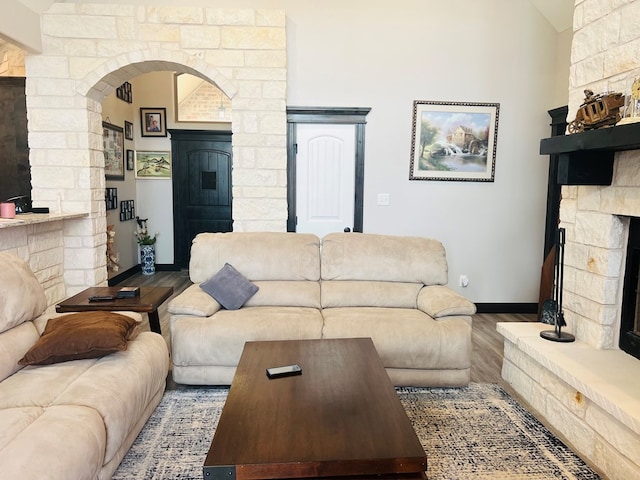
[
  {"x": 194, "y": 135},
  {"x": 327, "y": 115}
]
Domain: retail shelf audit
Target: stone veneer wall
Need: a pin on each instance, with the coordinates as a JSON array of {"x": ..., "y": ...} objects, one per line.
[
  {"x": 42, "y": 247},
  {"x": 605, "y": 54},
  {"x": 88, "y": 51},
  {"x": 589, "y": 390}
]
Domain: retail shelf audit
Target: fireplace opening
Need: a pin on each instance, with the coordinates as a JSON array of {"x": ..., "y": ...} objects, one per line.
[{"x": 630, "y": 316}]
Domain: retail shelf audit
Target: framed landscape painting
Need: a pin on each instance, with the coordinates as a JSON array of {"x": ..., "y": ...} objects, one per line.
[
  {"x": 153, "y": 165},
  {"x": 454, "y": 141}
]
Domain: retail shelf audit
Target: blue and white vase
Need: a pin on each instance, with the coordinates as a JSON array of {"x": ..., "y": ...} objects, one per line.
[{"x": 148, "y": 259}]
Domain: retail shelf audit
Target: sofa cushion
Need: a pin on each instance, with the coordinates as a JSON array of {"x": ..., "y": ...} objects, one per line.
[
  {"x": 229, "y": 287},
  {"x": 219, "y": 340},
  {"x": 119, "y": 387},
  {"x": 347, "y": 293},
  {"x": 22, "y": 297},
  {"x": 14, "y": 344},
  {"x": 384, "y": 258},
  {"x": 194, "y": 301},
  {"x": 403, "y": 337},
  {"x": 439, "y": 301},
  {"x": 258, "y": 255},
  {"x": 79, "y": 336},
  {"x": 281, "y": 293},
  {"x": 71, "y": 437}
]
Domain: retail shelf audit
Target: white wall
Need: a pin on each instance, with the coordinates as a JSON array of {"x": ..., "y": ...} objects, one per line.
[
  {"x": 384, "y": 55},
  {"x": 115, "y": 111},
  {"x": 154, "y": 198}
]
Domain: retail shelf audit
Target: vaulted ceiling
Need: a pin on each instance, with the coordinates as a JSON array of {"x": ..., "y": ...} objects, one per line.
[{"x": 558, "y": 12}]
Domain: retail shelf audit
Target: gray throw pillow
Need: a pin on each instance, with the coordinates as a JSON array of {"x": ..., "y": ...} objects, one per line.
[{"x": 229, "y": 287}]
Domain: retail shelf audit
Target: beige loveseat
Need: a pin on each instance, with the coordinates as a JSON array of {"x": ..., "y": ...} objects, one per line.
[
  {"x": 75, "y": 419},
  {"x": 389, "y": 288}
]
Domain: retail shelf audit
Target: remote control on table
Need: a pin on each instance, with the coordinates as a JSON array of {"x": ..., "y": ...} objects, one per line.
[
  {"x": 102, "y": 298},
  {"x": 286, "y": 371}
]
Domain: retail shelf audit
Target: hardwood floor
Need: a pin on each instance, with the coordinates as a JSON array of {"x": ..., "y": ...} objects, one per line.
[{"x": 486, "y": 358}]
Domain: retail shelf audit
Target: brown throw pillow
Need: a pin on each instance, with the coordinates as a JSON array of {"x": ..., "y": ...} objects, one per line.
[{"x": 81, "y": 335}]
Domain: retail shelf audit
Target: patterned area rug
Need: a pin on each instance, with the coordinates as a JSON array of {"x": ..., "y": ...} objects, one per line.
[{"x": 476, "y": 432}]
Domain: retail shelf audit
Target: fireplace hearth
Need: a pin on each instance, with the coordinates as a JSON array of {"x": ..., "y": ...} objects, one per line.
[{"x": 589, "y": 390}]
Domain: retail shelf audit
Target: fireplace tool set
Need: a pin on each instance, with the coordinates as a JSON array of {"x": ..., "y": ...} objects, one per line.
[{"x": 552, "y": 309}]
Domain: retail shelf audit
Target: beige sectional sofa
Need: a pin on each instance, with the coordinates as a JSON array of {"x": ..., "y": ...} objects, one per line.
[
  {"x": 389, "y": 288},
  {"x": 75, "y": 419}
]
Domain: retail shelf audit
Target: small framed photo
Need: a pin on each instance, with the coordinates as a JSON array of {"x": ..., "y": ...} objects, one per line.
[
  {"x": 123, "y": 92},
  {"x": 130, "y": 160},
  {"x": 111, "y": 197},
  {"x": 153, "y": 122},
  {"x": 127, "y": 210},
  {"x": 128, "y": 130},
  {"x": 454, "y": 141}
]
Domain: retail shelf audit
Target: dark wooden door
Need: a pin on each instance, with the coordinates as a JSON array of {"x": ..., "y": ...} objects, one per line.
[{"x": 201, "y": 187}]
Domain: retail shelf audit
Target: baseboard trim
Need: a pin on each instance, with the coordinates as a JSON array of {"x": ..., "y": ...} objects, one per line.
[
  {"x": 121, "y": 277},
  {"x": 507, "y": 307},
  {"x": 167, "y": 267}
]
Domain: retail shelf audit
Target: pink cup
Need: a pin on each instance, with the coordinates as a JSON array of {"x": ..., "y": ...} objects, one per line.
[{"x": 8, "y": 210}]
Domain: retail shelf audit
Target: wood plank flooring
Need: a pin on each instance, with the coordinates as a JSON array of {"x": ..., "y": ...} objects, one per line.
[{"x": 486, "y": 358}]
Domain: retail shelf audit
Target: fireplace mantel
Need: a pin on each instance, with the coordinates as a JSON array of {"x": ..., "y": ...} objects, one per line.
[{"x": 586, "y": 158}]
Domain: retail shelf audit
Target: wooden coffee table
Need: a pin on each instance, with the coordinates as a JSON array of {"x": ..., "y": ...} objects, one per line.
[
  {"x": 148, "y": 301},
  {"x": 341, "y": 418}
]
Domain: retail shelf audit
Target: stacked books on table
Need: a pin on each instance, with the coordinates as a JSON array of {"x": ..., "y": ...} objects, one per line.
[{"x": 128, "y": 292}]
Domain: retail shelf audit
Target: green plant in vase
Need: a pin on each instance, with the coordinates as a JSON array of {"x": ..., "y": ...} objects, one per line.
[{"x": 147, "y": 247}]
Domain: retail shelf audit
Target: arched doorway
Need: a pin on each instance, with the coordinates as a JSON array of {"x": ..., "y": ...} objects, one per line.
[{"x": 67, "y": 84}]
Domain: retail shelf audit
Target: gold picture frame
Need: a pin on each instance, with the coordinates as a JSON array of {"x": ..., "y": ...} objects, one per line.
[{"x": 454, "y": 141}]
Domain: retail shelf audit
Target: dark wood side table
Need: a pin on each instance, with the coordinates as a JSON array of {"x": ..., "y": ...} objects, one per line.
[{"x": 148, "y": 301}]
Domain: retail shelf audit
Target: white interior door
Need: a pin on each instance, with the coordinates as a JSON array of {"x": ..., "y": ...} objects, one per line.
[{"x": 325, "y": 178}]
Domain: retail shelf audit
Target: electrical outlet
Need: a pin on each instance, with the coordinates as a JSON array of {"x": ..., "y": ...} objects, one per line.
[
  {"x": 464, "y": 281},
  {"x": 384, "y": 199}
]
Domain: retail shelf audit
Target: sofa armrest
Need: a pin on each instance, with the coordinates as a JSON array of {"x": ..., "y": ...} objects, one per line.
[
  {"x": 439, "y": 301},
  {"x": 194, "y": 301}
]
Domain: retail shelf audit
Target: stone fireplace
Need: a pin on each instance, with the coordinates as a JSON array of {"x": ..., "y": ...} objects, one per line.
[
  {"x": 589, "y": 390},
  {"x": 630, "y": 308}
]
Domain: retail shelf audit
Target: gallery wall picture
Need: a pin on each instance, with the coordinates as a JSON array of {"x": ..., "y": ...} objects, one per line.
[
  {"x": 153, "y": 122},
  {"x": 128, "y": 130},
  {"x": 123, "y": 92},
  {"x": 111, "y": 198},
  {"x": 127, "y": 210},
  {"x": 113, "y": 144},
  {"x": 454, "y": 141},
  {"x": 153, "y": 165},
  {"x": 130, "y": 160}
]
